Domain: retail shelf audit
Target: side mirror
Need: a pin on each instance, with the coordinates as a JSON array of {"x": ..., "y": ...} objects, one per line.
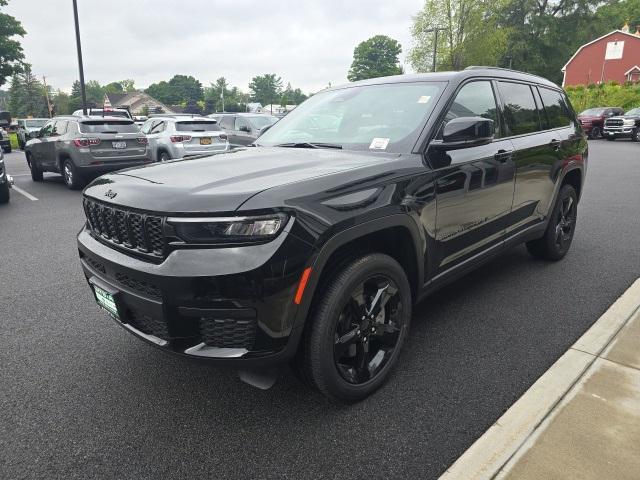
[
  {"x": 244, "y": 128},
  {"x": 465, "y": 132}
]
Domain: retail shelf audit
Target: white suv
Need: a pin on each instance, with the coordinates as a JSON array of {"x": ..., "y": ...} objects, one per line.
[{"x": 178, "y": 136}]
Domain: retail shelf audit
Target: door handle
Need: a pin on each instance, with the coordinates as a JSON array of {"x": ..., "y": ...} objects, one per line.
[
  {"x": 503, "y": 156},
  {"x": 555, "y": 144}
]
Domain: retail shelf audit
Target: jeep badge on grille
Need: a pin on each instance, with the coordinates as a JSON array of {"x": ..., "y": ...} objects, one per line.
[{"x": 111, "y": 194}]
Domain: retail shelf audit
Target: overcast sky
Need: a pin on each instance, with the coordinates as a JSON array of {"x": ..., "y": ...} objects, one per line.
[{"x": 308, "y": 43}]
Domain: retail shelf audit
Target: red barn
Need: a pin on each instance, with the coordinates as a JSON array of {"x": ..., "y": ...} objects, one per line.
[{"x": 614, "y": 56}]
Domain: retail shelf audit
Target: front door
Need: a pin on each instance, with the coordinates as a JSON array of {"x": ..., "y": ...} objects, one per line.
[{"x": 474, "y": 191}]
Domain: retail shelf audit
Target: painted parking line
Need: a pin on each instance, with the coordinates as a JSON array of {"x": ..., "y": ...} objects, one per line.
[
  {"x": 26, "y": 194},
  {"x": 495, "y": 450}
]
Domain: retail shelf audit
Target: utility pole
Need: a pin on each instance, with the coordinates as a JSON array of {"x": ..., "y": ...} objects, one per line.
[
  {"x": 435, "y": 31},
  {"x": 46, "y": 94},
  {"x": 80, "y": 67}
]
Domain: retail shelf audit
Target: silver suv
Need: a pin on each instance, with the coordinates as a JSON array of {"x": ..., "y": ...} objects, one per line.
[
  {"x": 179, "y": 136},
  {"x": 80, "y": 148}
]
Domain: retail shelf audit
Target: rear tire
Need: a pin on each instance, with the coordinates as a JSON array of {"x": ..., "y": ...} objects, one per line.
[
  {"x": 164, "y": 157},
  {"x": 36, "y": 173},
  {"x": 596, "y": 133},
  {"x": 351, "y": 344},
  {"x": 4, "y": 192},
  {"x": 556, "y": 241},
  {"x": 636, "y": 135},
  {"x": 72, "y": 178}
]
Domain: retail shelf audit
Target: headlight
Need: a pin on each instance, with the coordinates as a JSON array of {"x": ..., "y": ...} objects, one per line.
[
  {"x": 629, "y": 121},
  {"x": 228, "y": 229}
]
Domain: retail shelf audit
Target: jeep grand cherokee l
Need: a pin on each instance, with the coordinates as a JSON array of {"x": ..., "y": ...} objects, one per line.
[
  {"x": 81, "y": 148},
  {"x": 312, "y": 247}
]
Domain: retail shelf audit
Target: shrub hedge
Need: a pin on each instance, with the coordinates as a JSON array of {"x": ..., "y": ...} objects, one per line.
[{"x": 610, "y": 94}]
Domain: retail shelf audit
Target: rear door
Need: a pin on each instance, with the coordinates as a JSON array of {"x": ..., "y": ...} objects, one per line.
[
  {"x": 48, "y": 157},
  {"x": 228, "y": 123},
  {"x": 154, "y": 129},
  {"x": 474, "y": 190},
  {"x": 37, "y": 147},
  {"x": 535, "y": 154}
]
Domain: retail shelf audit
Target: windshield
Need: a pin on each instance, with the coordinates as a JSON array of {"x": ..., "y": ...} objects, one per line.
[
  {"x": 385, "y": 117},
  {"x": 197, "y": 126},
  {"x": 261, "y": 121},
  {"x": 35, "y": 123},
  {"x": 633, "y": 111},
  {"x": 593, "y": 112},
  {"x": 109, "y": 126}
]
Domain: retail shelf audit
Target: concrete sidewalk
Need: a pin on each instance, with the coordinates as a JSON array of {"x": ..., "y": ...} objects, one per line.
[{"x": 580, "y": 420}]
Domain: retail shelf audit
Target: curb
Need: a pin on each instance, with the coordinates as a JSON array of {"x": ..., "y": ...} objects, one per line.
[{"x": 502, "y": 441}]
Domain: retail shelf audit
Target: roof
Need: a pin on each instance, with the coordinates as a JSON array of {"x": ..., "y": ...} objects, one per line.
[
  {"x": 469, "y": 72},
  {"x": 632, "y": 35},
  {"x": 635, "y": 67},
  {"x": 116, "y": 97}
]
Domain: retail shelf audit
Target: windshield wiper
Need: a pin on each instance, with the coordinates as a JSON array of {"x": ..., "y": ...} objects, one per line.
[{"x": 309, "y": 145}]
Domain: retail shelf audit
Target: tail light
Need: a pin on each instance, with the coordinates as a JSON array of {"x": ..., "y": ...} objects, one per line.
[
  {"x": 180, "y": 138},
  {"x": 143, "y": 140},
  {"x": 86, "y": 142},
  {"x": 223, "y": 136}
]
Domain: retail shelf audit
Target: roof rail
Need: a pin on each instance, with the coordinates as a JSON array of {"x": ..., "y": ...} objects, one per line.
[{"x": 502, "y": 69}]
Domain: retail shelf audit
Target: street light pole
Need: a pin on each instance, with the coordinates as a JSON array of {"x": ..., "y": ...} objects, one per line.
[
  {"x": 80, "y": 67},
  {"x": 435, "y": 30}
]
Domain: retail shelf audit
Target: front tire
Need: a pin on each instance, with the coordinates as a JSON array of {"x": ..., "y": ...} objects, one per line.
[
  {"x": 636, "y": 135},
  {"x": 558, "y": 236},
  {"x": 72, "y": 178},
  {"x": 357, "y": 329}
]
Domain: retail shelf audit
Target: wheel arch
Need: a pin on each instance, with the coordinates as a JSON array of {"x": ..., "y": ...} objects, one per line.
[
  {"x": 573, "y": 177},
  {"x": 396, "y": 235}
]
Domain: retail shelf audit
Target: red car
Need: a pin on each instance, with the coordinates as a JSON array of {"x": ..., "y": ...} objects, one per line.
[{"x": 592, "y": 119}]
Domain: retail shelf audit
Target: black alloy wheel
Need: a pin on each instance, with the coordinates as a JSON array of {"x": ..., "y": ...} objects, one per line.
[
  {"x": 368, "y": 330},
  {"x": 357, "y": 328},
  {"x": 558, "y": 236}
]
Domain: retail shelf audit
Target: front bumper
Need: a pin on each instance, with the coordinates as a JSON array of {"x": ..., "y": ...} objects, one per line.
[
  {"x": 232, "y": 306},
  {"x": 622, "y": 131}
]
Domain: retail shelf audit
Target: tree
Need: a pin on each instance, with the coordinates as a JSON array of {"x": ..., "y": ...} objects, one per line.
[
  {"x": 61, "y": 103},
  {"x": 113, "y": 87},
  {"x": 27, "y": 95},
  {"x": 11, "y": 54},
  {"x": 266, "y": 89},
  {"x": 470, "y": 35},
  {"x": 180, "y": 90},
  {"x": 375, "y": 57},
  {"x": 128, "y": 85}
]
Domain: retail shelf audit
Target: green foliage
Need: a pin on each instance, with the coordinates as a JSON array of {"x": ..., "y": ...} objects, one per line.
[
  {"x": 11, "y": 54},
  {"x": 604, "y": 95},
  {"x": 266, "y": 89},
  {"x": 180, "y": 90},
  {"x": 375, "y": 57},
  {"x": 27, "y": 95},
  {"x": 470, "y": 36}
]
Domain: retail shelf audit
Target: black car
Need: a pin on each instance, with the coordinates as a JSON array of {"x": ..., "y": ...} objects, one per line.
[
  {"x": 623, "y": 126},
  {"x": 5, "y": 181},
  {"x": 243, "y": 128},
  {"x": 311, "y": 248}
]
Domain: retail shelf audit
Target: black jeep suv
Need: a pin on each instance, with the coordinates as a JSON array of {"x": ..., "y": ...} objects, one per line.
[{"x": 311, "y": 247}]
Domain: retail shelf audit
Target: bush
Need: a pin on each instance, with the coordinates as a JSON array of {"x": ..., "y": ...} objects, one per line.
[{"x": 610, "y": 94}]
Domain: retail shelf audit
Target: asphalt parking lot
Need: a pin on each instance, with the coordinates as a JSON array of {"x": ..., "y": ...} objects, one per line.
[{"x": 81, "y": 398}]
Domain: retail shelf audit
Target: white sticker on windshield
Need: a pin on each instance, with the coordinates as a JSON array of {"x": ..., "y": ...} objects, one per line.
[
  {"x": 424, "y": 99},
  {"x": 379, "y": 144}
]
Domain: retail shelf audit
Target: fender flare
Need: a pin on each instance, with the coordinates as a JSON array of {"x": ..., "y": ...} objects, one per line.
[{"x": 320, "y": 259}]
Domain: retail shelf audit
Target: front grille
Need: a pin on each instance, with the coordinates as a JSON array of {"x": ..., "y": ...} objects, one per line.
[
  {"x": 614, "y": 122},
  {"x": 228, "y": 333},
  {"x": 138, "y": 285},
  {"x": 130, "y": 230},
  {"x": 148, "y": 324}
]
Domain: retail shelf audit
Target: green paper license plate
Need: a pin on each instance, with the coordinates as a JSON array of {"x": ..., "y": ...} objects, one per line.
[{"x": 106, "y": 300}]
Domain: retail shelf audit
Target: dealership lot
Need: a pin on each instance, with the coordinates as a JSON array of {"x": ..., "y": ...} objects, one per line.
[{"x": 82, "y": 398}]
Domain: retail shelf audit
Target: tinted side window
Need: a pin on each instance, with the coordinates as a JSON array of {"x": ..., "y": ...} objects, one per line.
[
  {"x": 146, "y": 127},
  {"x": 556, "y": 108},
  {"x": 157, "y": 127},
  {"x": 242, "y": 122},
  {"x": 47, "y": 129},
  {"x": 520, "y": 112},
  {"x": 227, "y": 122},
  {"x": 475, "y": 99}
]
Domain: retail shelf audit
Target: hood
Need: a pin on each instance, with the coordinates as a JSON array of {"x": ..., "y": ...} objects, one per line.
[
  {"x": 623, "y": 117},
  {"x": 223, "y": 182},
  {"x": 590, "y": 117}
]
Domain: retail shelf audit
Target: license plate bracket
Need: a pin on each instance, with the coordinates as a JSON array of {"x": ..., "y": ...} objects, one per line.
[{"x": 106, "y": 298}]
